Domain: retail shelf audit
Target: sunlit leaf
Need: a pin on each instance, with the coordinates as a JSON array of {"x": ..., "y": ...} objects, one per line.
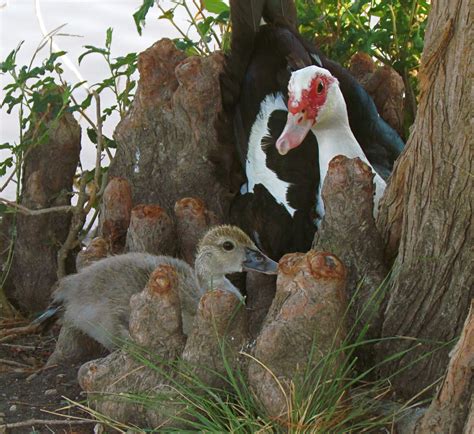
[
  {"x": 215, "y": 6},
  {"x": 167, "y": 15}
]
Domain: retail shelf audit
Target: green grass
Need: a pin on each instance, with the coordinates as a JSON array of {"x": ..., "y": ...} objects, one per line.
[{"x": 332, "y": 395}]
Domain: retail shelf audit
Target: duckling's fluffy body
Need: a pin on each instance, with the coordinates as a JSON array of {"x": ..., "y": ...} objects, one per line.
[{"x": 97, "y": 299}]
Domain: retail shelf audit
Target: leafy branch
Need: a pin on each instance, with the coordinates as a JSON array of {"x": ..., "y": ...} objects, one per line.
[
  {"x": 208, "y": 19},
  {"x": 41, "y": 97},
  {"x": 390, "y": 31}
]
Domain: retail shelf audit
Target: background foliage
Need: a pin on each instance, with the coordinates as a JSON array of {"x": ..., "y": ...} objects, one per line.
[{"x": 390, "y": 31}]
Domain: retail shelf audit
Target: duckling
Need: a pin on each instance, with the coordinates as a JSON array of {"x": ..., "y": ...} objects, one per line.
[{"x": 96, "y": 299}]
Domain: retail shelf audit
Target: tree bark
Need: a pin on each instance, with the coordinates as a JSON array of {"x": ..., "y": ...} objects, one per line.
[
  {"x": 116, "y": 211},
  {"x": 451, "y": 411},
  {"x": 47, "y": 182},
  {"x": 219, "y": 331},
  {"x": 193, "y": 219},
  {"x": 384, "y": 85},
  {"x": 310, "y": 293},
  {"x": 165, "y": 142},
  {"x": 426, "y": 213},
  {"x": 348, "y": 230},
  {"x": 156, "y": 326},
  {"x": 151, "y": 230}
]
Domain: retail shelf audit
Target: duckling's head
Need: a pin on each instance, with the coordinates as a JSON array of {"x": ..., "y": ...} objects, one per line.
[{"x": 227, "y": 249}]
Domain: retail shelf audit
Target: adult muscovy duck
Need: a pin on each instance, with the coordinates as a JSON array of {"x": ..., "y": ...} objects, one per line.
[
  {"x": 316, "y": 104},
  {"x": 277, "y": 204}
]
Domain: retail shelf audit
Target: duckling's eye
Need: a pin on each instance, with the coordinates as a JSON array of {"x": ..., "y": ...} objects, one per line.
[
  {"x": 320, "y": 87},
  {"x": 227, "y": 245}
]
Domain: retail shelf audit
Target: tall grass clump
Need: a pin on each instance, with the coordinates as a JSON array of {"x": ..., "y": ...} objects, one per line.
[{"x": 332, "y": 395}]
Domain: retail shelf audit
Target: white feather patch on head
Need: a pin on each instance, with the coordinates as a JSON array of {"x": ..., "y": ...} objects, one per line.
[{"x": 302, "y": 78}]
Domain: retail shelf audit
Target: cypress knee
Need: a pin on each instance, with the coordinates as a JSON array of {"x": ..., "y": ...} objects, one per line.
[
  {"x": 151, "y": 230},
  {"x": 116, "y": 210},
  {"x": 308, "y": 310},
  {"x": 193, "y": 220}
]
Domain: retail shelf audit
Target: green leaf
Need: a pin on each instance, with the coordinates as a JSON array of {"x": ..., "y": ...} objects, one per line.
[
  {"x": 9, "y": 63},
  {"x": 91, "y": 49},
  {"x": 186, "y": 45},
  {"x": 223, "y": 17},
  {"x": 204, "y": 26},
  {"x": 140, "y": 15},
  {"x": 108, "y": 143},
  {"x": 91, "y": 133},
  {"x": 130, "y": 60},
  {"x": 87, "y": 101},
  {"x": 78, "y": 84},
  {"x": 167, "y": 15},
  {"x": 5, "y": 164},
  {"x": 50, "y": 63},
  {"x": 108, "y": 37},
  {"x": 104, "y": 84},
  {"x": 192, "y": 51},
  {"x": 215, "y": 6}
]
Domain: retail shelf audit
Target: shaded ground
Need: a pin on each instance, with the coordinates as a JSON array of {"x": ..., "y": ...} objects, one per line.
[{"x": 27, "y": 391}]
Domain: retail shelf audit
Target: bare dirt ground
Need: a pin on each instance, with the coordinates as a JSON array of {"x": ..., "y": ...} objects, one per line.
[{"x": 28, "y": 391}]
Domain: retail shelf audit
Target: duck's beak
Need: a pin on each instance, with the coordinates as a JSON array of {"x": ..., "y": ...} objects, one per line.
[
  {"x": 296, "y": 128},
  {"x": 257, "y": 261}
]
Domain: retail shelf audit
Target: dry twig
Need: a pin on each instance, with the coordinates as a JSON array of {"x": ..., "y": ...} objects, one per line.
[{"x": 31, "y": 422}]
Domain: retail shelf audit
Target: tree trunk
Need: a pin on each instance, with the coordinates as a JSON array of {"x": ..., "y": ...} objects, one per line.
[
  {"x": 348, "y": 231},
  {"x": 451, "y": 411},
  {"x": 384, "y": 85},
  {"x": 166, "y": 141},
  {"x": 47, "y": 182},
  {"x": 426, "y": 213}
]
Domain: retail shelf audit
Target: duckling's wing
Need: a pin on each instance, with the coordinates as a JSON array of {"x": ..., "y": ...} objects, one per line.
[{"x": 97, "y": 299}]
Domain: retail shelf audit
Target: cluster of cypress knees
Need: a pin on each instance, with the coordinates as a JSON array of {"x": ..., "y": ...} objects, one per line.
[{"x": 292, "y": 111}]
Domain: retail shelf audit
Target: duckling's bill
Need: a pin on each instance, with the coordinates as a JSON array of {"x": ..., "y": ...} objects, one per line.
[{"x": 257, "y": 261}]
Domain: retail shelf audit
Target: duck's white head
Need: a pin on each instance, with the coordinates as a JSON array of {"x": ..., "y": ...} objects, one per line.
[{"x": 313, "y": 97}]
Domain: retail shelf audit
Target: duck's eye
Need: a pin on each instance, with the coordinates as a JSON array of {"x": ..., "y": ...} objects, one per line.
[
  {"x": 227, "y": 245},
  {"x": 320, "y": 87}
]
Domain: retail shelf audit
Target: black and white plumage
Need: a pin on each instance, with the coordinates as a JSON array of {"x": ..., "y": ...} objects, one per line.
[{"x": 278, "y": 203}]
